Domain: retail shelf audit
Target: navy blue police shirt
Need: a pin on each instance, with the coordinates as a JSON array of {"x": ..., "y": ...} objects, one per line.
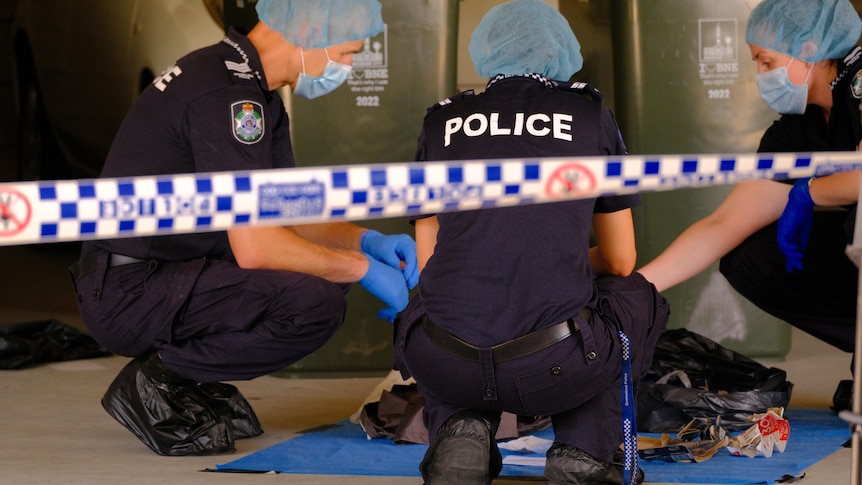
[
  {"x": 210, "y": 112},
  {"x": 497, "y": 274}
]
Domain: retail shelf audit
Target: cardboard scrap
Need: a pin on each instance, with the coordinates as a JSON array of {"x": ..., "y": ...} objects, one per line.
[
  {"x": 769, "y": 433},
  {"x": 686, "y": 451},
  {"x": 697, "y": 441}
]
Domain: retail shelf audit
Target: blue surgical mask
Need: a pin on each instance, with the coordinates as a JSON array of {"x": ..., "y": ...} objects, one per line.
[
  {"x": 334, "y": 74},
  {"x": 782, "y": 95}
]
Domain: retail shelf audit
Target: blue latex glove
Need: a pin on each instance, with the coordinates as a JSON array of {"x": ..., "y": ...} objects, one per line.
[
  {"x": 392, "y": 250},
  {"x": 387, "y": 284},
  {"x": 794, "y": 226}
]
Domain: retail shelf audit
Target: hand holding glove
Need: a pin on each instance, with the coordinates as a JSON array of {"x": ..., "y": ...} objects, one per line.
[
  {"x": 387, "y": 284},
  {"x": 794, "y": 226},
  {"x": 392, "y": 250}
]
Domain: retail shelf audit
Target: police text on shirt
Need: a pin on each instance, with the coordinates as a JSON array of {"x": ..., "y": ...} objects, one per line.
[{"x": 559, "y": 125}]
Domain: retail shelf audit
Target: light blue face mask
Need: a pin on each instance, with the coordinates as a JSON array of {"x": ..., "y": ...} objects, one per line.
[
  {"x": 782, "y": 95},
  {"x": 334, "y": 75}
]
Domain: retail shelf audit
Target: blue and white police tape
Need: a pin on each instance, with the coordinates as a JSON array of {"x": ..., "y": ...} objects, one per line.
[{"x": 72, "y": 210}]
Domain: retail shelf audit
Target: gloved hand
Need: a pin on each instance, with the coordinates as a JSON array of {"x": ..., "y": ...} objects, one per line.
[
  {"x": 794, "y": 226},
  {"x": 392, "y": 250},
  {"x": 387, "y": 284}
]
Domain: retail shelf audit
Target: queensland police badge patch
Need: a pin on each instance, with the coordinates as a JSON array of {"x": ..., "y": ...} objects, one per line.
[
  {"x": 248, "y": 125},
  {"x": 856, "y": 85}
]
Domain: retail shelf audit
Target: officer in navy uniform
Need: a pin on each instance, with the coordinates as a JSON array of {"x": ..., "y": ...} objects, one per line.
[
  {"x": 510, "y": 314},
  {"x": 775, "y": 249},
  {"x": 241, "y": 303},
  {"x": 819, "y": 296}
]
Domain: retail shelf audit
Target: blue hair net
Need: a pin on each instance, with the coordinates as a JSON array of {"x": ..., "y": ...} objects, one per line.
[
  {"x": 525, "y": 36},
  {"x": 810, "y": 30},
  {"x": 322, "y": 23}
]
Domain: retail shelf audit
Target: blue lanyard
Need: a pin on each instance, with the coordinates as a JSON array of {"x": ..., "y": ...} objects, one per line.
[{"x": 630, "y": 429}]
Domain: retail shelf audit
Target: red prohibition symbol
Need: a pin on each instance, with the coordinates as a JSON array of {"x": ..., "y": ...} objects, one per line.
[
  {"x": 15, "y": 212},
  {"x": 570, "y": 180}
]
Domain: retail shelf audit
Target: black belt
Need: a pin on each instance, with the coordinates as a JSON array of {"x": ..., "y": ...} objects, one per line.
[
  {"x": 513, "y": 349},
  {"x": 87, "y": 264}
]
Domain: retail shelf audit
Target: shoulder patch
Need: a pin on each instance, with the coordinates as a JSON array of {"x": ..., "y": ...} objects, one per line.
[
  {"x": 856, "y": 85},
  {"x": 247, "y": 121},
  {"x": 448, "y": 101},
  {"x": 583, "y": 88}
]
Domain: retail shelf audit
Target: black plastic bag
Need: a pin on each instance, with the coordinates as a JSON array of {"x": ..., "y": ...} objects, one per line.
[
  {"x": 27, "y": 344},
  {"x": 179, "y": 417},
  {"x": 724, "y": 384}
]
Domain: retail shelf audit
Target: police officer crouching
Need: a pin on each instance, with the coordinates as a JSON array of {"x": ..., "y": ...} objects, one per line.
[
  {"x": 197, "y": 309},
  {"x": 515, "y": 311}
]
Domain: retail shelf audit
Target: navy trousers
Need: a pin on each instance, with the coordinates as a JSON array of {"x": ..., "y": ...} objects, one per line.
[
  {"x": 575, "y": 381},
  {"x": 821, "y": 298},
  {"x": 210, "y": 320}
]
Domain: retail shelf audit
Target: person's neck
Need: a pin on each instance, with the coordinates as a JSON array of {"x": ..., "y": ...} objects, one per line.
[
  {"x": 275, "y": 55},
  {"x": 821, "y": 93}
]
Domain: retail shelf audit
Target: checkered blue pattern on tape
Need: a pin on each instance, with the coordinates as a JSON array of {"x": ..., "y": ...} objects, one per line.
[
  {"x": 360, "y": 193},
  {"x": 672, "y": 171},
  {"x": 90, "y": 209},
  {"x": 184, "y": 203},
  {"x": 423, "y": 188}
]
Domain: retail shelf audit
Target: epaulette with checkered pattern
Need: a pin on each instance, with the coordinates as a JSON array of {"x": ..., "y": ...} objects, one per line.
[
  {"x": 581, "y": 87},
  {"x": 448, "y": 101}
]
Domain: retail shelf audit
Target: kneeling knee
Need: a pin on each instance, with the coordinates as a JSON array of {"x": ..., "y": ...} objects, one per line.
[{"x": 322, "y": 301}]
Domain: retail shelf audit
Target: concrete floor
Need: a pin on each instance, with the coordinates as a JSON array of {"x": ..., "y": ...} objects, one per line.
[{"x": 53, "y": 429}]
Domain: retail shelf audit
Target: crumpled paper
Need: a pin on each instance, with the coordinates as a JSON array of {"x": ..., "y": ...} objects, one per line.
[
  {"x": 527, "y": 444},
  {"x": 768, "y": 434},
  {"x": 700, "y": 439}
]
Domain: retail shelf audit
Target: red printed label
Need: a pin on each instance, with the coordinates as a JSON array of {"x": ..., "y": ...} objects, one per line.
[
  {"x": 571, "y": 180},
  {"x": 15, "y": 212}
]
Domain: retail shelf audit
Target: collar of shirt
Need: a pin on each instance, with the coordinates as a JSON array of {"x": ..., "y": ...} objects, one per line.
[
  {"x": 535, "y": 76},
  {"x": 852, "y": 64},
  {"x": 249, "y": 54}
]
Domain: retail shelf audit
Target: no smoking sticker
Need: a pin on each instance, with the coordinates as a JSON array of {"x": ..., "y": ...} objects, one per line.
[
  {"x": 15, "y": 212},
  {"x": 571, "y": 180}
]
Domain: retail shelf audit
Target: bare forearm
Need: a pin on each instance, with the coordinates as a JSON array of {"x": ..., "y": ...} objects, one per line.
[
  {"x": 835, "y": 189},
  {"x": 343, "y": 235},
  {"x": 699, "y": 246},
  {"x": 283, "y": 249},
  {"x": 749, "y": 207}
]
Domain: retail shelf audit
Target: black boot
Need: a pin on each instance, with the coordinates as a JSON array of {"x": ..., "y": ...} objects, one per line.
[
  {"x": 175, "y": 416},
  {"x": 567, "y": 465},
  {"x": 464, "y": 452},
  {"x": 843, "y": 397}
]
